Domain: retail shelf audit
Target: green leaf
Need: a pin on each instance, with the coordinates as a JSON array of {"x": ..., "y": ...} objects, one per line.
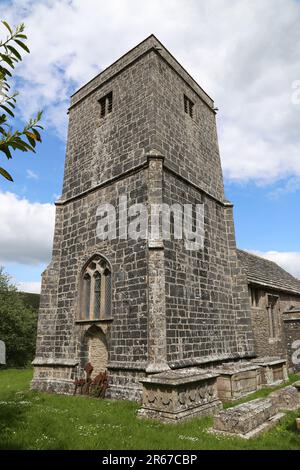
[
  {"x": 5, "y": 71},
  {"x": 7, "y": 59},
  {"x": 21, "y": 44},
  {"x": 31, "y": 138},
  {"x": 19, "y": 144},
  {"x": 22, "y": 36},
  {"x": 14, "y": 51},
  {"x": 7, "y": 26},
  {"x": 7, "y": 110},
  {"x": 5, "y": 174},
  {"x": 25, "y": 146},
  {"x": 4, "y": 148},
  {"x": 37, "y": 135}
]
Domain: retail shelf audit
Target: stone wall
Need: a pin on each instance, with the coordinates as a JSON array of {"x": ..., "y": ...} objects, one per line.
[
  {"x": 168, "y": 303},
  {"x": 264, "y": 344},
  {"x": 201, "y": 304},
  {"x": 291, "y": 321},
  {"x": 127, "y": 335},
  {"x": 189, "y": 144}
]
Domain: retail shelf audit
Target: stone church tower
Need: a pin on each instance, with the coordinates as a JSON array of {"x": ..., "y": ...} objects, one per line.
[{"x": 143, "y": 128}]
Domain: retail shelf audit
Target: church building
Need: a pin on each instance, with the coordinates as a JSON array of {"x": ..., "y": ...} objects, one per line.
[{"x": 143, "y": 134}]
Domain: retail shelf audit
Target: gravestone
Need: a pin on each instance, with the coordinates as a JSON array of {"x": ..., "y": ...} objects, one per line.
[{"x": 2, "y": 353}]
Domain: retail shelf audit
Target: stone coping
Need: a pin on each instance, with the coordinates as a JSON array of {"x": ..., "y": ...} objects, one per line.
[
  {"x": 292, "y": 310},
  {"x": 235, "y": 369},
  {"x": 209, "y": 360},
  {"x": 175, "y": 378},
  {"x": 268, "y": 361},
  {"x": 292, "y": 319},
  {"x": 151, "y": 43},
  {"x": 51, "y": 361},
  {"x": 139, "y": 366}
]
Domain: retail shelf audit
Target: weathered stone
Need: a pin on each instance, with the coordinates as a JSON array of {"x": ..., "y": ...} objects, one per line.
[
  {"x": 248, "y": 419},
  {"x": 291, "y": 321},
  {"x": 236, "y": 380},
  {"x": 171, "y": 307},
  {"x": 274, "y": 296},
  {"x": 286, "y": 398},
  {"x": 297, "y": 385},
  {"x": 273, "y": 370},
  {"x": 175, "y": 396}
]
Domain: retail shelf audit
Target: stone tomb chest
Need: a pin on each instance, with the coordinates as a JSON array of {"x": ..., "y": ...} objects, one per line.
[
  {"x": 236, "y": 380},
  {"x": 174, "y": 396},
  {"x": 273, "y": 370}
]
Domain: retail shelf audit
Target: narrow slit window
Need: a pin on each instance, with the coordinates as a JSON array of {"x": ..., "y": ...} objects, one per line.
[
  {"x": 255, "y": 297},
  {"x": 109, "y": 102},
  {"x": 188, "y": 106},
  {"x": 272, "y": 313}
]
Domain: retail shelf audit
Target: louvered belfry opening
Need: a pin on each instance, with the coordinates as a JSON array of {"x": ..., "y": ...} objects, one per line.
[
  {"x": 188, "y": 106},
  {"x": 96, "y": 290},
  {"x": 106, "y": 104}
]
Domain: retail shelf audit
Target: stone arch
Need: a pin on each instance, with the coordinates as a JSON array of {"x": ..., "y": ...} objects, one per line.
[{"x": 95, "y": 349}]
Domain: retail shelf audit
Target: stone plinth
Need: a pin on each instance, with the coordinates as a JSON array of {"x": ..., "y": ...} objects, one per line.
[
  {"x": 175, "y": 396},
  {"x": 54, "y": 376},
  {"x": 237, "y": 380},
  {"x": 273, "y": 370},
  {"x": 248, "y": 419}
]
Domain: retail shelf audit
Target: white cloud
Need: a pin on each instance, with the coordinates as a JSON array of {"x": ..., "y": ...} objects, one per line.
[
  {"x": 26, "y": 230},
  {"x": 292, "y": 185},
  {"x": 32, "y": 175},
  {"x": 289, "y": 260},
  {"x": 32, "y": 287},
  {"x": 246, "y": 54}
]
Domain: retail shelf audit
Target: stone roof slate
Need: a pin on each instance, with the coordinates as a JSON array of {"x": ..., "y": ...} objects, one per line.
[{"x": 267, "y": 273}]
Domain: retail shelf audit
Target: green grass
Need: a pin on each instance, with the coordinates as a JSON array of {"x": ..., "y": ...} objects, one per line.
[
  {"x": 262, "y": 393},
  {"x": 33, "y": 420}
]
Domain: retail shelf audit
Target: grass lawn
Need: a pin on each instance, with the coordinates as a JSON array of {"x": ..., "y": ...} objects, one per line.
[{"x": 33, "y": 420}]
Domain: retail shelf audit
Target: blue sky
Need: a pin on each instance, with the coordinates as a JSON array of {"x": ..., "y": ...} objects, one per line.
[{"x": 246, "y": 55}]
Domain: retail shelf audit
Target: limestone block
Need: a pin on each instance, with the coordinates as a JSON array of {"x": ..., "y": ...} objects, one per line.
[
  {"x": 287, "y": 398},
  {"x": 178, "y": 395},
  {"x": 245, "y": 418},
  {"x": 237, "y": 380},
  {"x": 273, "y": 370}
]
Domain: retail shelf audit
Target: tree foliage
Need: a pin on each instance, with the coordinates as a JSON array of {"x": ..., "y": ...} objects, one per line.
[
  {"x": 18, "y": 323},
  {"x": 11, "y": 50}
]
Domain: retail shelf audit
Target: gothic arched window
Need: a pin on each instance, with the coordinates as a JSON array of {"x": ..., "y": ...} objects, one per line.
[{"x": 96, "y": 290}]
